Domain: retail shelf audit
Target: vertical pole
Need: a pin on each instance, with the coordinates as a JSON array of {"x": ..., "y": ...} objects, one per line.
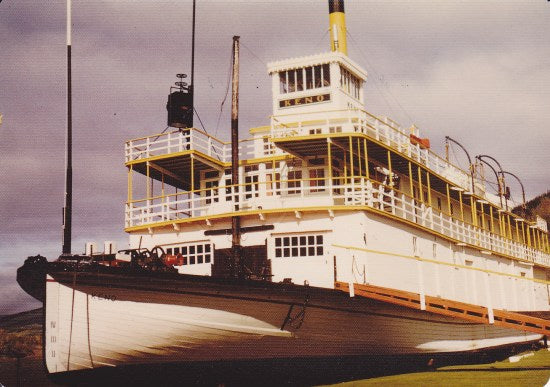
[
  {"x": 192, "y": 174},
  {"x": 359, "y": 157},
  {"x": 429, "y": 188},
  {"x": 461, "y": 206},
  {"x": 421, "y": 193},
  {"x": 473, "y": 210},
  {"x": 482, "y": 209},
  {"x": 130, "y": 188},
  {"x": 411, "y": 180},
  {"x": 448, "y": 200},
  {"x": 366, "y": 158},
  {"x": 390, "y": 175},
  {"x": 67, "y": 208},
  {"x": 148, "y": 189},
  {"x": 329, "y": 155},
  {"x": 492, "y": 220},
  {"x": 236, "y": 267},
  {"x": 351, "y": 166},
  {"x": 192, "y": 86},
  {"x": 503, "y": 224},
  {"x": 345, "y": 167}
]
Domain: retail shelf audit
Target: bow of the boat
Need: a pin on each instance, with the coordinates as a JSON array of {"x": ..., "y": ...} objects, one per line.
[{"x": 31, "y": 276}]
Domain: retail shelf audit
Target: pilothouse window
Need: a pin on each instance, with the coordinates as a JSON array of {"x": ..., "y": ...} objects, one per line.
[
  {"x": 307, "y": 78},
  {"x": 349, "y": 83}
]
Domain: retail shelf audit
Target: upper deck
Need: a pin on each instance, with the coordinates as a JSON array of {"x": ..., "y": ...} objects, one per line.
[{"x": 339, "y": 161}]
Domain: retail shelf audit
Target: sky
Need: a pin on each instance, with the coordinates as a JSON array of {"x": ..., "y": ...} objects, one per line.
[{"x": 477, "y": 71}]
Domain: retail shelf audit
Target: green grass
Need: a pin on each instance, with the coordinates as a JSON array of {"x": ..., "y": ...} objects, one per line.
[{"x": 530, "y": 371}]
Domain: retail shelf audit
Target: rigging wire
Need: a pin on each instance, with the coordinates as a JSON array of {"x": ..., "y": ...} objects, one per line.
[
  {"x": 322, "y": 38},
  {"x": 214, "y": 150},
  {"x": 378, "y": 77},
  {"x": 225, "y": 96},
  {"x": 264, "y": 63}
]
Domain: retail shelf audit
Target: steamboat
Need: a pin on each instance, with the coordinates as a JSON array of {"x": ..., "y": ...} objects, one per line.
[{"x": 329, "y": 232}]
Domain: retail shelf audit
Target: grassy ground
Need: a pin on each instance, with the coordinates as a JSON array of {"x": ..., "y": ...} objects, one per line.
[{"x": 530, "y": 371}]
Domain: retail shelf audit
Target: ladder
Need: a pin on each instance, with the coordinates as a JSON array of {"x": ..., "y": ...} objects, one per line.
[{"x": 462, "y": 310}]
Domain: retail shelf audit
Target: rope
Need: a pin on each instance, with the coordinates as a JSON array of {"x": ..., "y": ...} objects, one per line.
[
  {"x": 355, "y": 269},
  {"x": 254, "y": 55},
  {"x": 88, "y": 326},
  {"x": 72, "y": 318},
  {"x": 377, "y": 76},
  {"x": 225, "y": 96}
]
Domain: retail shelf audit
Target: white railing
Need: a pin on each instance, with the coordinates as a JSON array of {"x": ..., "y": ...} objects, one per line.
[
  {"x": 195, "y": 140},
  {"x": 174, "y": 142},
  {"x": 275, "y": 195},
  {"x": 385, "y": 131}
]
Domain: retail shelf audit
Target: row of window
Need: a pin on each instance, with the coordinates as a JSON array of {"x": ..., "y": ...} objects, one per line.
[
  {"x": 299, "y": 246},
  {"x": 350, "y": 83},
  {"x": 311, "y": 77},
  {"x": 285, "y": 246},
  {"x": 192, "y": 253}
]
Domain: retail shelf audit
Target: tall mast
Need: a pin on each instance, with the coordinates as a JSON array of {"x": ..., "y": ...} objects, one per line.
[
  {"x": 235, "y": 220},
  {"x": 192, "y": 88},
  {"x": 67, "y": 209}
]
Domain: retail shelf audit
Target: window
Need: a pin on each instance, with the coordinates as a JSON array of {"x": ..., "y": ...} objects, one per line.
[
  {"x": 317, "y": 179},
  {"x": 294, "y": 181},
  {"x": 349, "y": 83},
  {"x": 227, "y": 184},
  {"x": 299, "y": 246},
  {"x": 211, "y": 188},
  {"x": 311, "y": 77},
  {"x": 299, "y": 80},
  {"x": 267, "y": 146},
  {"x": 326, "y": 75},
  {"x": 282, "y": 82},
  {"x": 251, "y": 179},
  {"x": 193, "y": 253}
]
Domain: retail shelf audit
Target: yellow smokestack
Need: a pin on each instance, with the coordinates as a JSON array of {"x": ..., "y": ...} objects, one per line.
[{"x": 337, "y": 26}]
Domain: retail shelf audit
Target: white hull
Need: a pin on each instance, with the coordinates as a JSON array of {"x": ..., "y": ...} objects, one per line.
[{"x": 111, "y": 326}]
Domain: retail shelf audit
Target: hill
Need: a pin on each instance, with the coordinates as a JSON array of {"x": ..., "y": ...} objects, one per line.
[
  {"x": 538, "y": 206},
  {"x": 29, "y": 320}
]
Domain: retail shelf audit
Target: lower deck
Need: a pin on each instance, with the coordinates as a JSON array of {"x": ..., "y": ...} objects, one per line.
[{"x": 359, "y": 247}]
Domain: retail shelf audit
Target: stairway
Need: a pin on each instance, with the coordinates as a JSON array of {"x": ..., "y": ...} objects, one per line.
[{"x": 470, "y": 312}]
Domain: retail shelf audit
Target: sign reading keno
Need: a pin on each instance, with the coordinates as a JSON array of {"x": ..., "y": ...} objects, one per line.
[{"x": 304, "y": 100}]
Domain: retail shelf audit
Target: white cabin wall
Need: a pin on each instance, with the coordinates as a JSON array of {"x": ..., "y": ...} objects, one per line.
[
  {"x": 496, "y": 283},
  {"x": 317, "y": 271},
  {"x": 541, "y": 289}
]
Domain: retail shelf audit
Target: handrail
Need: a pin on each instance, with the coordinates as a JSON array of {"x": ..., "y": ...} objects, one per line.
[{"x": 354, "y": 191}]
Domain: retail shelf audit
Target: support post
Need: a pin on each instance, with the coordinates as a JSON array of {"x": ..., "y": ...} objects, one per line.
[
  {"x": 461, "y": 206},
  {"x": 67, "y": 208},
  {"x": 366, "y": 158},
  {"x": 448, "y": 200},
  {"x": 237, "y": 264}
]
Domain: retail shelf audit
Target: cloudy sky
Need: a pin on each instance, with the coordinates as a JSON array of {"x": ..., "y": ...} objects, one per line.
[{"x": 478, "y": 71}]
